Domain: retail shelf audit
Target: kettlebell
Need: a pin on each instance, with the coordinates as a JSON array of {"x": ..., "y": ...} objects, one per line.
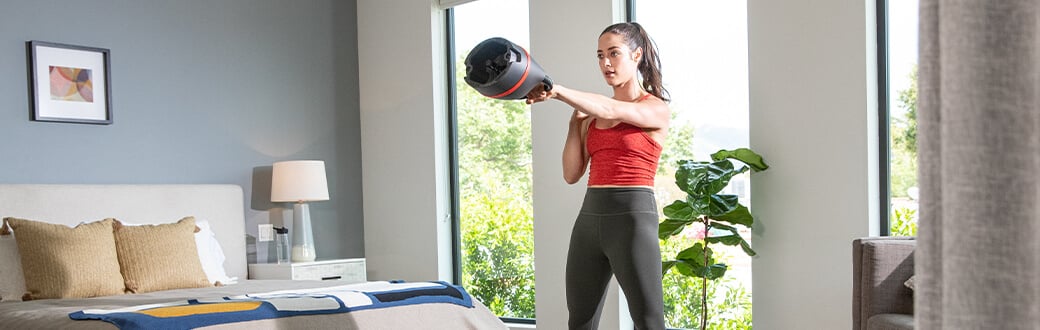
[{"x": 501, "y": 69}]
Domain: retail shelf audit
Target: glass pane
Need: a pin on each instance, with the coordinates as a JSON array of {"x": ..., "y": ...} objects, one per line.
[
  {"x": 703, "y": 47},
  {"x": 902, "y": 105},
  {"x": 494, "y": 159}
]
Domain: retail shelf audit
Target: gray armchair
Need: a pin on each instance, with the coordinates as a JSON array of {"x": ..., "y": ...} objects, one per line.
[{"x": 880, "y": 266}]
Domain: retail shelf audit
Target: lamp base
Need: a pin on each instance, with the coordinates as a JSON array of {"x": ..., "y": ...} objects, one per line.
[
  {"x": 302, "y": 254},
  {"x": 303, "y": 236}
]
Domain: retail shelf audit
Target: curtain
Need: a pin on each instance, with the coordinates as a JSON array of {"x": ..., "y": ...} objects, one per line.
[{"x": 978, "y": 255}]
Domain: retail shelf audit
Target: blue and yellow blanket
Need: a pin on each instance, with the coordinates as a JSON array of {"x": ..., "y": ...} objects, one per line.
[{"x": 194, "y": 313}]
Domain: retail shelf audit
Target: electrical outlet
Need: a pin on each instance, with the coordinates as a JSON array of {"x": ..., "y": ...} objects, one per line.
[{"x": 265, "y": 233}]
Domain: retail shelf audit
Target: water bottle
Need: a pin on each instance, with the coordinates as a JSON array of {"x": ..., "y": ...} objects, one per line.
[{"x": 281, "y": 238}]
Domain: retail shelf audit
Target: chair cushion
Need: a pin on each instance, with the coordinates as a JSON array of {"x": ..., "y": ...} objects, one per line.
[{"x": 890, "y": 322}]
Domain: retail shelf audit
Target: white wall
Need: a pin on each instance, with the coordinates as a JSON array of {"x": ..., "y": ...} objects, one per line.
[
  {"x": 813, "y": 117},
  {"x": 401, "y": 65}
]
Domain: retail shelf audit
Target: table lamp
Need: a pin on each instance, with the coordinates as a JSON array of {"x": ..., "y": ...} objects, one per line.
[{"x": 300, "y": 181}]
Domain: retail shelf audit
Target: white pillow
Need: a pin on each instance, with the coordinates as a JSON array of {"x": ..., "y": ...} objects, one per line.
[
  {"x": 12, "y": 282},
  {"x": 210, "y": 254}
]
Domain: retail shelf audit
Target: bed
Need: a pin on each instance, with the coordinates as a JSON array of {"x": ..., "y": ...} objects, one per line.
[{"x": 221, "y": 208}]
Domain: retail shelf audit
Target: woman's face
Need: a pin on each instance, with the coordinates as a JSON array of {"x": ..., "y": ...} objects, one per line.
[{"x": 617, "y": 62}]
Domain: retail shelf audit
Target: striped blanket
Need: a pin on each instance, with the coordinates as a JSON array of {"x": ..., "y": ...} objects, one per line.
[{"x": 194, "y": 313}]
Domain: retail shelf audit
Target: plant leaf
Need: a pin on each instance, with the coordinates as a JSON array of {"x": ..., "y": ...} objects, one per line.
[
  {"x": 679, "y": 210},
  {"x": 732, "y": 239},
  {"x": 720, "y": 205},
  {"x": 686, "y": 268},
  {"x": 725, "y": 239},
  {"x": 715, "y": 271},
  {"x": 747, "y": 248},
  {"x": 688, "y": 172},
  {"x": 740, "y": 215},
  {"x": 722, "y": 226},
  {"x": 671, "y": 227},
  {"x": 694, "y": 254},
  {"x": 666, "y": 265},
  {"x": 690, "y": 262},
  {"x": 691, "y": 269},
  {"x": 718, "y": 175},
  {"x": 744, "y": 155},
  {"x": 699, "y": 205}
]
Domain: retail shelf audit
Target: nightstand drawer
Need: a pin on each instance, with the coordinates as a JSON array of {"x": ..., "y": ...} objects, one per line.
[
  {"x": 347, "y": 270},
  {"x": 338, "y": 271}
]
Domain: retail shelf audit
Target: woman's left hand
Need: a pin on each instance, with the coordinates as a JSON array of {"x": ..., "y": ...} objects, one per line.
[{"x": 539, "y": 94}]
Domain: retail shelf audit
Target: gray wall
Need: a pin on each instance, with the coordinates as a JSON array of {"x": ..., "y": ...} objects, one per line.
[{"x": 202, "y": 92}]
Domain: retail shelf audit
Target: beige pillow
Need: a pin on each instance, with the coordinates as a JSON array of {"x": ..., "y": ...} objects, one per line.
[
  {"x": 159, "y": 257},
  {"x": 63, "y": 262}
]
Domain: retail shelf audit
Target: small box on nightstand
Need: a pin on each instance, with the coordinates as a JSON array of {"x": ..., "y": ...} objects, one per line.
[{"x": 348, "y": 270}]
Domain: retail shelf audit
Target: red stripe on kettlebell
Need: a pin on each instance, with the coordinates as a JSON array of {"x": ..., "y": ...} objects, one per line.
[{"x": 522, "y": 78}]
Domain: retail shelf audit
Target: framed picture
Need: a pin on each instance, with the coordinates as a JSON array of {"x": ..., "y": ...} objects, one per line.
[{"x": 69, "y": 84}]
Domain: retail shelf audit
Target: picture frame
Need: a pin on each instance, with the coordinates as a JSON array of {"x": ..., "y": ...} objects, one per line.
[{"x": 69, "y": 83}]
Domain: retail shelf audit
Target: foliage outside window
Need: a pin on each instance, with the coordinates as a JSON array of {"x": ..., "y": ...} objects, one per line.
[
  {"x": 903, "y": 152},
  {"x": 494, "y": 165},
  {"x": 495, "y": 188},
  {"x": 902, "y": 53}
]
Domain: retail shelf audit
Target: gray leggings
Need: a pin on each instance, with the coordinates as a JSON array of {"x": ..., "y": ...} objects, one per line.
[{"x": 615, "y": 233}]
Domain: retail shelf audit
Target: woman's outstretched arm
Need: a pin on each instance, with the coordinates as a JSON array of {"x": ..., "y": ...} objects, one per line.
[{"x": 651, "y": 113}]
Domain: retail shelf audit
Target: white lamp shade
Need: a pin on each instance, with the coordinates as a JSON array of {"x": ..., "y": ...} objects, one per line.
[{"x": 299, "y": 181}]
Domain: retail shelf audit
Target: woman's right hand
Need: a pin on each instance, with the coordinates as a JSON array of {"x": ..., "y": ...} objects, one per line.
[{"x": 578, "y": 116}]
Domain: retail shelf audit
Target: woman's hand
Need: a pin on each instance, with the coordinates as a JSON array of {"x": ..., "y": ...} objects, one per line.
[
  {"x": 578, "y": 116},
  {"x": 539, "y": 94}
]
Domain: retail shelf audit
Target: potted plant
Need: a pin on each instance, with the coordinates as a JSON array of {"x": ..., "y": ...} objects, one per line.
[{"x": 720, "y": 214}]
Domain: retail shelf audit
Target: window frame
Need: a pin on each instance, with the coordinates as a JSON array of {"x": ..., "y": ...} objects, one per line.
[
  {"x": 884, "y": 120},
  {"x": 453, "y": 146}
]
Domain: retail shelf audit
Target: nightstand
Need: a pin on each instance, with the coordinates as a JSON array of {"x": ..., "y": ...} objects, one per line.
[{"x": 348, "y": 270}]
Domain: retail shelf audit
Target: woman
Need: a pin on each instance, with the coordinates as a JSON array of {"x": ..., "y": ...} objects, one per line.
[{"x": 621, "y": 136}]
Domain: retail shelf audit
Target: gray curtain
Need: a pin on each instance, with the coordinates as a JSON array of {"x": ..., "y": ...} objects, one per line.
[{"x": 978, "y": 256}]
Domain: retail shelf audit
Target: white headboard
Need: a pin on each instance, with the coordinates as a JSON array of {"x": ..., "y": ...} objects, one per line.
[{"x": 70, "y": 204}]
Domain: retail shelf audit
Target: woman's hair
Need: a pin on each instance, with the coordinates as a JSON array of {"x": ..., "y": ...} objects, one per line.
[{"x": 650, "y": 65}]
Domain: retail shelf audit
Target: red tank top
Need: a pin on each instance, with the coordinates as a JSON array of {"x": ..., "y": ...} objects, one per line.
[{"x": 623, "y": 155}]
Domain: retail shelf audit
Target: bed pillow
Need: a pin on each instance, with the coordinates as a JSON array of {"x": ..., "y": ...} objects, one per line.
[
  {"x": 12, "y": 282},
  {"x": 211, "y": 254},
  {"x": 62, "y": 262},
  {"x": 159, "y": 257}
]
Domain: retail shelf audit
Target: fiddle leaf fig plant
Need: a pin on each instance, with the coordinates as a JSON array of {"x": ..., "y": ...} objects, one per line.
[{"x": 720, "y": 215}]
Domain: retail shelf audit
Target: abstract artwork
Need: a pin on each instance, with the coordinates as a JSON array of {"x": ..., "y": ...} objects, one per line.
[{"x": 69, "y": 84}]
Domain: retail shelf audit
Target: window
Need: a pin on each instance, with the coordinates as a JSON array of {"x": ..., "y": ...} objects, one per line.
[
  {"x": 898, "y": 87},
  {"x": 492, "y": 162},
  {"x": 703, "y": 46}
]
